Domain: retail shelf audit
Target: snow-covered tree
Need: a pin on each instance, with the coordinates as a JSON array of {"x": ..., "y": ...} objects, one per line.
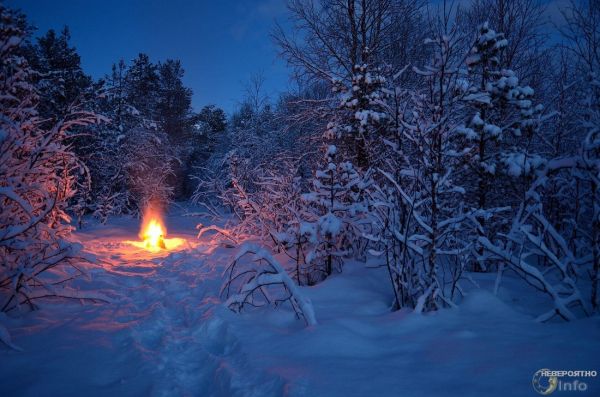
[
  {"x": 130, "y": 158},
  {"x": 523, "y": 24},
  {"x": 582, "y": 32},
  {"x": 360, "y": 121},
  {"x": 208, "y": 130},
  {"x": 60, "y": 81},
  {"x": 174, "y": 101},
  {"x": 536, "y": 250},
  {"x": 37, "y": 178},
  {"x": 424, "y": 230},
  {"x": 552, "y": 239},
  {"x": 500, "y": 129},
  {"x": 142, "y": 86},
  {"x": 337, "y": 202}
]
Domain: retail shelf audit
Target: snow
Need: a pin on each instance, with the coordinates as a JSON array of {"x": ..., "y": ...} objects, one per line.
[
  {"x": 492, "y": 130},
  {"x": 308, "y": 229},
  {"x": 5, "y": 335},
  {"x": 518, "y": 164},
  {"x": 360, "y": 348},
  {"x": 331, "y": 150},
  {"x": 168, "y": 333},
  {"x": 469, "y": 133},
  {"x": 330, "y": 225},
  {"x": 477, "y": 120}
]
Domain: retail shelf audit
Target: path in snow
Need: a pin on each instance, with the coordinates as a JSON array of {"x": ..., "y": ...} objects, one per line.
[{"x": 153, "y": 339}]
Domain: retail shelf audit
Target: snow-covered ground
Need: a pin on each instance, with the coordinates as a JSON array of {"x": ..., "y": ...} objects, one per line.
[{"x": 167, "y": 334}]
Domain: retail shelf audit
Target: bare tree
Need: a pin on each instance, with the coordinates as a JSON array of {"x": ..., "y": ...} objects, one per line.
[
  {"x": 336, "y": 35},
  {"x": 582, "y": 33}
]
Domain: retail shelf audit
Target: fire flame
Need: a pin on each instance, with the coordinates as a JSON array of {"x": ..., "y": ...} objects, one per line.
[{"x": 154, "y": 234}]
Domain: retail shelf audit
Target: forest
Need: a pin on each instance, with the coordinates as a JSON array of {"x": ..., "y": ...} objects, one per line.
[{"x": 418, "y": 215}]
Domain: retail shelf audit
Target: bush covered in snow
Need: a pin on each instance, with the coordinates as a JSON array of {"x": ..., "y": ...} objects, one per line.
[
  {"x": 38, "y": 174},
  {"x": 263, "y": 281}
]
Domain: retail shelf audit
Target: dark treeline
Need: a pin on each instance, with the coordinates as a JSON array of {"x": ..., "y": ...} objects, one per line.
[{"x": 150, "y": 138}]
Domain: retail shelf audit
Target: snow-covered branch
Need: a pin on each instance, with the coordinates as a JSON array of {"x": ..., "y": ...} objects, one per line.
[{"x": 263, "y": 281}]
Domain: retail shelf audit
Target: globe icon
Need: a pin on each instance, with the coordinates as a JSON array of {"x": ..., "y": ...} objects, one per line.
[{"x": 542, "y": 384}]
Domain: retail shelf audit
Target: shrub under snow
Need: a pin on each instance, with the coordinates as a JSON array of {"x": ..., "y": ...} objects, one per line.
[
  {"x": 37, "y": 178},
  {"x": 263, "y": 281}
]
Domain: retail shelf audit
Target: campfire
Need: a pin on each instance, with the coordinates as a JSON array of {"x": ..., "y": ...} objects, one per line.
[{"x": 153, "y": 234}]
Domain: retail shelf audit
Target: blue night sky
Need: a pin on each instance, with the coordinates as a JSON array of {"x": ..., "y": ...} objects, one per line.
[{"x": 221, "y": 43}]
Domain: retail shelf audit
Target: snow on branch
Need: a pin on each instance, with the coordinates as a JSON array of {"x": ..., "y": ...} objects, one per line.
[
  {"x": 263, "y": 281},
  {"x": 38, "y": 178},
  {"x": 538, "y": 254},
  {"x": 223, "y": 232}
]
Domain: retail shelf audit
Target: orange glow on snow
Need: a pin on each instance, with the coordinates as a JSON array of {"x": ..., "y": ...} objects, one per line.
[{"x": 154, "y": 234}]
